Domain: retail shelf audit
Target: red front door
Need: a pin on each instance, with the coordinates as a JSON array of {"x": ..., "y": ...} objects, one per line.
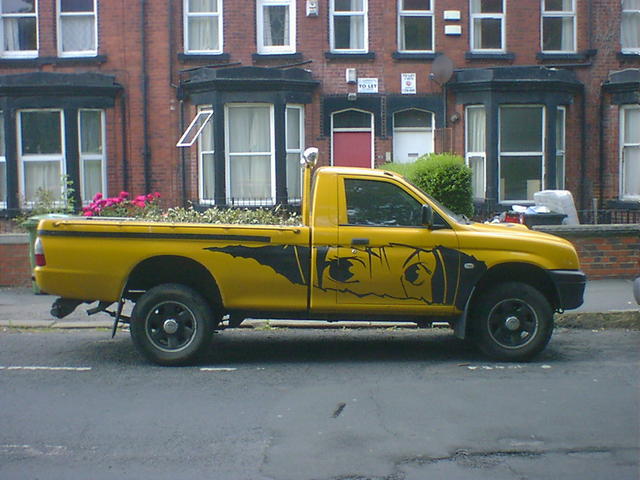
[{"x": 352, "y": 149}]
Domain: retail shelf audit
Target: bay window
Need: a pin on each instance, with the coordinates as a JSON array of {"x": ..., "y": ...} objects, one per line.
[
  {"x": 521, "y": 152},
  {"x": 77, "y": 26},
  {"x": 41, "y": 154},
  {"x": 415, "y": 26},
  {"x": 250, "y": 158},
  {"x": 276, "y": 26},
  {"x": 206, "y": 160},
  {"x": 349, "y": 26},
  {"x": 487, "y": 25},
  {"x": 630, "y": 26},
  {"x": 630, "y": 152},
  {"x": 295, "y": 146},
  {"x": 558, "y": 26},
  {"x": 19, "y": 26},
  {"x": 203, "y": 26},
  {"x": 561, "y": 118},
  {"x": 91, "y": 134},
  {"x": 3, "y": 165},
  {"x": 475, "y": 152}
]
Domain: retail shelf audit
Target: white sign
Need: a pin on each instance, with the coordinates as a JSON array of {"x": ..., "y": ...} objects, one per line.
[
  {"x": 408, "y": 86},
  {"x": 367, "y": 85}
]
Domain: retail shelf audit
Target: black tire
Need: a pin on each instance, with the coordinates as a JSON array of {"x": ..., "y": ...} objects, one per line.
[
  {"x": 171, "y": 324},
  {"x": 512, "y": 322}
]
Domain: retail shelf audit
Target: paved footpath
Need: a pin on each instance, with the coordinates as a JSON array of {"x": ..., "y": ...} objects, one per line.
[{"x": 608, "y": 304}]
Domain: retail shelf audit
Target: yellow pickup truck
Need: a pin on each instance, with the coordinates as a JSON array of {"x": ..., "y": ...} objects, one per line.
[{"x": 371, "y": 246}]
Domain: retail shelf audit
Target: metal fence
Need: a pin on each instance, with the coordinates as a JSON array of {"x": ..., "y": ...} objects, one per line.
[{"x": 611, "y": 216}]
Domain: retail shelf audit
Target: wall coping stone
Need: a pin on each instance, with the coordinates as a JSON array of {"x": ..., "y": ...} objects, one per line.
[
  {"x": 606, "y": 230},
  {"x": 14, "y": 238}
]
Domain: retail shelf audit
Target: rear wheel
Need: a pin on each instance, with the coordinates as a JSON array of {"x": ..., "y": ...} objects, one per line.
[
  {"x": 513, "y": 322},
  {"x": 171, "y": 324}
]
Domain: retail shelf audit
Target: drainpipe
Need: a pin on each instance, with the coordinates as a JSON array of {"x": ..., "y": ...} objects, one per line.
[
  {"x": 124, "y": 133},
  {"x": 146, "y": 151}
]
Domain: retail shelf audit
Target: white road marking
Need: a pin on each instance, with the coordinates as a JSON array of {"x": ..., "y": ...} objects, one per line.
[
  {"x": 218, "y": 369},
  {"x": 46, "y": 369}
]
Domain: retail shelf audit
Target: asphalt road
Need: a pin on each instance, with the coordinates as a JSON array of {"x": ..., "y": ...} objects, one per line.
[{"x": 319, "y": 404}]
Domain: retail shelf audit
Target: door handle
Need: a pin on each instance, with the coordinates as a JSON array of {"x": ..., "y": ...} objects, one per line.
[{"x": 360, "y": 241}]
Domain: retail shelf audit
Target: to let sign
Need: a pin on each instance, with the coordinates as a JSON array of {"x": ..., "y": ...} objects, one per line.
[
  {"x": 408, "y": 83},
  {"x": 367, "y": 85}
]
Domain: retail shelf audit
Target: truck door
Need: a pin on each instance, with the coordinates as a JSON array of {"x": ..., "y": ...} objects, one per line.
[{"x": 386, "y": 259}]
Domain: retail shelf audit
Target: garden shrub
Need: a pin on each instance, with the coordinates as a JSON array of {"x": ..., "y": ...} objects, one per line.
[{"x": 444, "y": 176}]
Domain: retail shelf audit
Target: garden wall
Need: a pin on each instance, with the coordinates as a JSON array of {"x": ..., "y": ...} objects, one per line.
[{"x": 15, "y": 270}]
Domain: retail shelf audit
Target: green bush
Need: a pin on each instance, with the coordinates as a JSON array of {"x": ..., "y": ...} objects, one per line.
[{"x": 444, "y": 176}]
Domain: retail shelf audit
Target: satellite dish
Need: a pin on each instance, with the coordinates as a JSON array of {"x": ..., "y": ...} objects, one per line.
[{"x": 441, "y": 69}]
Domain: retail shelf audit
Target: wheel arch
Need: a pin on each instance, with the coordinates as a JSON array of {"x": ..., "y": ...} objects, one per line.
[{"x": 162, "y": 269}]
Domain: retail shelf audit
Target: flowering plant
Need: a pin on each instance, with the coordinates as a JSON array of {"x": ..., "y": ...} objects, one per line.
[{"x": 120, "y": 206}]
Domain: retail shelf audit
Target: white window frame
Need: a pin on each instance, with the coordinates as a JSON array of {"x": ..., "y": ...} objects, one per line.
[
  {"x": 352, "y": 13},
  {"x": 629, "y": 11},
  {"x": 469, "y": 154},
  {"x": 297, "y": 151},
  {"x": 275, "y": 49},
  {"x": 404, "y": 13},
  {"x": 624, "y": 146},
  {"x": 198, "y": 123},
  {"x": 49, "y": 157},
  {"x": 228, "y": 155},
  {"x": 19, "y": 53},
  {"x": 370, "y": 129},
  {"x": 77, "y": 53},
  {"x": 562, "y": 142},
  {"x": 503, "y": 27},
  {"x": 83, "y": 157},
  {"x": 540, "y": 153},
  {"x": 206, "y": 110},
  {"x": 559, "y": 14},
  {"x": 3, "y": 159},
  {"x": 214, "y": 15}
]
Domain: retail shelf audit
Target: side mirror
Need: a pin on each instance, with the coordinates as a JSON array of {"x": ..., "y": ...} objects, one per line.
[
  {"x": 310, "y": 156},
  {"x": 427, "y": 216}
]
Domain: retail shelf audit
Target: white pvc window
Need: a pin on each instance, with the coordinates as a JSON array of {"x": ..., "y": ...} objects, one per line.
[
  {"x": 412, "y": 135},
  {"x": 475, "y": 152},
  {"x": 561, "y": 122},
  {"x": 77, "y": 27},
  {"x": 488, "y": 25},
  {"x": 41, "y": 154},
  {"x": 250, "y": 154},
  {"x": 91, "y": 139},
  {"x": 630, "y": 152},
  {"x": 194, "y": 129},
  {"x": 521, "y": 152},
  {"x": 19, "y": 28},
  {"x": 203, "y": 26},
  {"x": 558, "y": 26},
  {"x": 3, "y": 165},
  {"x": 206, "y": 160},
  {"x": 276, "y": 26},
  {"x": 630, "y": 26},
  {"x": 349, "y": 26},
  {"x": 415, "y": 26},
  {"x": 295, "y": 147}
]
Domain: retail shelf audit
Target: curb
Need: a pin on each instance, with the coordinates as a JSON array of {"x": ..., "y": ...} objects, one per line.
[{"x": 625, "y": 319}]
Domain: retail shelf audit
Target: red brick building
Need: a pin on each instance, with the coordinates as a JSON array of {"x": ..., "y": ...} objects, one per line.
[{"x": 535, "y": 94}]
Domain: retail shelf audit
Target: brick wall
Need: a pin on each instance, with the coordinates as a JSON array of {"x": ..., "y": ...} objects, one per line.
[
  {"x": 605, "y": 251},
  {"x": 15, "y": 270}
]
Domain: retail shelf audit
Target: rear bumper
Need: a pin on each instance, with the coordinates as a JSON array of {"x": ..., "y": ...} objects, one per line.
[{"x": 570, "y": 285}]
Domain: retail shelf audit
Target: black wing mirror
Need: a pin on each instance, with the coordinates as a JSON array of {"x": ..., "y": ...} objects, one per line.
[{"x": 427, "y": 216}]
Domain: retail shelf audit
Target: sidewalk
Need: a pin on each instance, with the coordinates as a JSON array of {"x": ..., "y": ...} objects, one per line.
[{"x": 608, "y": 303}]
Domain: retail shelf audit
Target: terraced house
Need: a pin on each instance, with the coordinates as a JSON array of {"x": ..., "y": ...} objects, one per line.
[{"x": 535, "y": 94}]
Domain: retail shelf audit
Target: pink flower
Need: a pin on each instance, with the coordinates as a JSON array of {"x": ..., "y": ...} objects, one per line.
[
  {"x": 124, "y": 194},
  {"x": 97, "y": 197}
]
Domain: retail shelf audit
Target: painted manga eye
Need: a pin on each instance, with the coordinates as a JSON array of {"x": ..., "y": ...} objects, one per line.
[{"x": 417, "y": 273}]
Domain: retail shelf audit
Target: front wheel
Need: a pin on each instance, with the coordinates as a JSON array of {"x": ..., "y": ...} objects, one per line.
[
  {"x": 512, "y": 322},
  {"x": 171, "y": 324}
]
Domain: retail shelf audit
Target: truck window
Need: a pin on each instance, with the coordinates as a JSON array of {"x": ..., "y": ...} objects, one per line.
[{"x": 375, "y": 202}]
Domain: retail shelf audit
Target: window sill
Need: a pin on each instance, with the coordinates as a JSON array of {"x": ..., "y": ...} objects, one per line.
[
  {"x": 576, "y": 57},
  {"x": 287, "y": 57},
  {"x": 205, "y": 57},
  {"x": 349, "y": 56},
  {"x": 415, "y": 56},
  {"x": 39, "y": 61},
  {"x": 628, "y": 55},
  {"x": 505, "y": 56}
]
